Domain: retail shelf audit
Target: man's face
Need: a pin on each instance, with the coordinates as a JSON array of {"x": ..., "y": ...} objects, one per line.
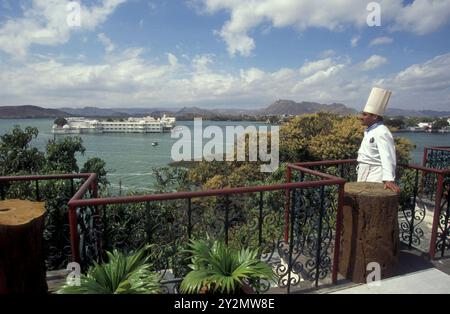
[{"x": 367, "y": 119}]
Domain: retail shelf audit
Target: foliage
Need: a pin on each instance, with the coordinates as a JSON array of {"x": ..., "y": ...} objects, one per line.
[
  {"x": 61, "y": 154},
  {"x": 60, "y": 121},
  {"x": 171, "y": 179},
  {"x": 395, "y": 123},
  {"x": 439, "y": 124},
  {"x": 120, "y": 275},
  {"x": 219, "y": 268},
  {"x": 96, "y": 165},
  {"x": 295, "y": 136},
  {"x": 16, "y": 155},
  {"x": 341, "y": 142},
  {"x": 414, "y": 121}
]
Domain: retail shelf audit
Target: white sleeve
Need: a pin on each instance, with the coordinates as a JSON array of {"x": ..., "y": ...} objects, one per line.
[{"x": 386, "y": 148}]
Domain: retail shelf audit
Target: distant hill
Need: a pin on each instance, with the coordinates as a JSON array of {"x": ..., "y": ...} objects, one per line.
[
  {"x": 94, "y": 112},
  {"x": 147, "y": 111},
  {"x": 415, "y": 113},
  {"x": 279, "y": 107},
  {"x": 290, "y": 107},
  {"x": 194, "y": 111},
  {"x": 23, "y": 112}
]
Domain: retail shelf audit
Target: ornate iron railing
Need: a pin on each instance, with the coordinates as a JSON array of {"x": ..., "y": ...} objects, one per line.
[
  {"x": 424, "y": 212},
  {"x": 296, "y": 225},
  {"x": 220, "y": 214}
]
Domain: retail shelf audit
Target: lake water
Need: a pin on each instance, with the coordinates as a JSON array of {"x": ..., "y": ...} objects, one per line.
[{"x": 130, "y": 157}]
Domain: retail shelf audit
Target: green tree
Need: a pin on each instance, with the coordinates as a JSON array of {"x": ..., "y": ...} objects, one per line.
[
  {"x": 61, "y": 154},
  {"x": 439, "y": 124},
  {"x": 395, "y": 123},
  {"x": 60, "y": 121},
  {"x": 16, "y": 155},
  {"x": 96, "y": 165}
]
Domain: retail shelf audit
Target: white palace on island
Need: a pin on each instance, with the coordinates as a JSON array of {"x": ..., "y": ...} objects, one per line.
[{"x": 79, "y": 125}]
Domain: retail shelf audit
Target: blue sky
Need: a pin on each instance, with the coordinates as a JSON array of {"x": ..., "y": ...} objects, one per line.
[{"x": 223, "y": 53}]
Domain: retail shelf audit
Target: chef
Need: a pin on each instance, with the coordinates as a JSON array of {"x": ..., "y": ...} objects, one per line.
[{"x": 376, "y": 156}]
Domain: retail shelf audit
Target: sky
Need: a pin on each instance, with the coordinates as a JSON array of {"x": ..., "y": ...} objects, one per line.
[{"x": 223, "y": 53}]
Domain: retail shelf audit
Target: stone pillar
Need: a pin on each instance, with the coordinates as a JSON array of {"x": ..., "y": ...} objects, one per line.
[
  {"x": 370, "y": 231},
  {"x": 22, "y": 265}
]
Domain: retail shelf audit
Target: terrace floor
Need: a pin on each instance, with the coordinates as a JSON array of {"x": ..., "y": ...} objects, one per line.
[{"x": 415, "y": 274}]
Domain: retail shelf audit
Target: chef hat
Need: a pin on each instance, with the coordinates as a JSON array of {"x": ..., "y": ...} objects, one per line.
[{"x": 378, "y": 100}]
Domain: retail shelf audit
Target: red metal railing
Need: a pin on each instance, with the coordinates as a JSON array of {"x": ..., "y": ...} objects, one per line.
[
  {"x": 427, "y": 150},
  {"x": 76, "y": 200},
  {"x": 440, "y": 173},
  {"x": 302, "y": 167},
  {"x": 38, "y": 178},
  {"x": 91, "y": 184}
]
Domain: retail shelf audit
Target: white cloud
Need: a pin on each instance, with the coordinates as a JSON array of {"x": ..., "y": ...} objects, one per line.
[
  {"x": 127, "y": 79},
  {"x": 381, "y": 41},
  {"x": 44, "y": 22},
  {"x": 373, "y": 62},
  {"x": 327, "y": 53},
  {"x": 354, "y": 41},
  {"x": 109, "y": 46},
  {"x": 421, "y": 17},
  {"x": 429, "y": 76},
  {"x": 173, "y": 60},
  {"x": 315, "y": 66}
]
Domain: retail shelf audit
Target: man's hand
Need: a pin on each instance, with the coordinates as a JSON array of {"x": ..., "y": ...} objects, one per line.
[{"x": 391, "y": 186}]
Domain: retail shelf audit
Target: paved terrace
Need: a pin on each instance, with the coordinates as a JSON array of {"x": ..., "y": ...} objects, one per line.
[{"x": 416, "y": 274}]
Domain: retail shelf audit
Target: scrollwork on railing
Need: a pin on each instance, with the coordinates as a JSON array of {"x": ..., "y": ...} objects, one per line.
[
  {"x": 443, "y": 234},
  {"x": 412, "y": 210}
]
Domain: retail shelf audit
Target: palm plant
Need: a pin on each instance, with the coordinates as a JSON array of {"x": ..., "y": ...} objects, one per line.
[
  {"x": 122, "y": 274},
  {"x": 219, "y": 268}
]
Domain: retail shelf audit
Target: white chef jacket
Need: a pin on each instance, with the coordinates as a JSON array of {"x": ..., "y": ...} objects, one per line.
[{"x": 378, "y": 150}]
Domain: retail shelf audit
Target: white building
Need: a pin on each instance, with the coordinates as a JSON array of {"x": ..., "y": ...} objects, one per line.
[{"x": 131, "y": 125}]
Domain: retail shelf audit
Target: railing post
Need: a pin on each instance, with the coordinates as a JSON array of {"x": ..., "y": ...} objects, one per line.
[
  {"x": 226, "y": 219},
  {"x": 2, "y": 192},
  {"x": 74, "y": 240},
  {"x": 95, "y": 188},
  {"x": 148, "y": 220},
  {"x": 72, "y": 188},
  {"x": 413, "y": 210},
  {"x": 425, "y": 157},
  {"x": 319, "y": 235},
  {"x": 291, "y": 243},
  {"x": 446, "y": 226},
  {"x": 436, "y": 215},
  {"x": 189, "y": 218},
  {"x": 260, "y": 219},
  {"x": 337, "y": 238},
  {"x": 38, "y": 197},
  {"x": 286, "y": 206}
]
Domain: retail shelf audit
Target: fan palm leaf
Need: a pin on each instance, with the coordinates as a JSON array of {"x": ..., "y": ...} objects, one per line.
[
  {"x": 218, "y": 268},
  {"x": 121, "y": 274}
]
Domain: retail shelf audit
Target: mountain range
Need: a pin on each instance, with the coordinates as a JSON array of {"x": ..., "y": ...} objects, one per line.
[{"x": 279, "y": 107}]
